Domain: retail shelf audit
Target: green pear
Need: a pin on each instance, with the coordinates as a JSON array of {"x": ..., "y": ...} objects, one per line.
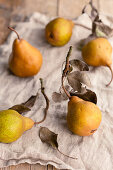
[
  {"x": 58, "y": 31},
  {"x": 13, "y": 125}
]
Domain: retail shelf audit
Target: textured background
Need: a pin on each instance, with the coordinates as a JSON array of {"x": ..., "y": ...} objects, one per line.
[{"x": 13, "y": 11}]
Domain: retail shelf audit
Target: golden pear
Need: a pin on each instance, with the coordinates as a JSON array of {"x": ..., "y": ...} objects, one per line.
[
  {"x": 98, "y": 52},
  {"x": 13, "y": 125},
  {"x": 58, "y": 31},
  {"x": 83, "y": 117},
  {"x": 25, "y": 60}
]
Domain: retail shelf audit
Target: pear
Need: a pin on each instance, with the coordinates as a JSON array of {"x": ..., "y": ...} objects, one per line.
[
  {"x": 98, "y": 52},
  {"x": 13, "y": 125},
  {"x": 25, "y": 60},
  {"x": 58, "y": 31},
  {"x": 83, "y": 117}
]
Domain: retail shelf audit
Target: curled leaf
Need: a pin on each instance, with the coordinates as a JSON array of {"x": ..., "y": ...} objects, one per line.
[
  {"x": 75, "y": 84},
  {"x": 25, "y": 107},
  {"x": 87, "y": 95},
  {"x": 76, "y": 78},
  {"x": 50, "y": 138},
  {"x": 82, "y": 66},
  {"x": 58, "y": 97}
]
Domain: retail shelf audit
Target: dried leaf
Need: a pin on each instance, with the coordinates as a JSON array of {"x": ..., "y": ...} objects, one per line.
[
  {"x": 75, "y": 84},
  {"x": 103, "y": 30},
  {"x": 76, "y": 78},
  {"x": 99, "y": 29},
  {"x": 20, "y": 108},
  {"x": 58, "y": 97},
  {"x": 93, "y": 13},
  {"x": 48, "y": 137},
  {"x": 83, "y": 42},
  {"x": 25, "y": 107},
  {"x": 88, "y": 95},
  {"x": 82, "y": 66},
  {"x": 68, "y": 88},
  {"x": 31, "y": 101}
]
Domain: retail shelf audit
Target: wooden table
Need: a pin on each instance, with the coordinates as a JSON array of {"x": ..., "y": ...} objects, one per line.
[{"x": 13, "y": 11}]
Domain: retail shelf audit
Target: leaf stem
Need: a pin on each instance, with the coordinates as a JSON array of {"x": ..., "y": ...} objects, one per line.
[
  {"x": 47, "y": 102},
  {"x": 65, "y": 71},
  {"x": 65, "y": 154},
  {"x": 12, "y": 29}
]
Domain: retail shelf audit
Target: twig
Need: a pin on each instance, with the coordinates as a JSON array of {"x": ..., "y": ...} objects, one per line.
[
  {"x": 47, "y": 102},
  {"x": 81, "y": 25},
  {"x": 66, "y": 70}
]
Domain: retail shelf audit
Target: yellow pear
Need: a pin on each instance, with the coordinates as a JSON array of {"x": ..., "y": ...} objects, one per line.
[
  {"x": 98, "y": 52},
  {"x": 58, "y": 31},
  {"x": 25, "y": 60},
  {"x": 83, "y": 117},
  {"x": 13, "y": 125}
]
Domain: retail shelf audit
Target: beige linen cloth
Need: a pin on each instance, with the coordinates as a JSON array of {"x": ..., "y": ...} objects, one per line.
[{"x": 94, "y": 152}]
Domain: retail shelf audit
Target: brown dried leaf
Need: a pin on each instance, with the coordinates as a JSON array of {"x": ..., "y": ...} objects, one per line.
[
  {"x": 67, "y": 87},
  {"x": 88, "y": 95},
  {"x": 48, "y": 137},
  {"x": 58, "y": 97},
  {"x": 31, "y": 101},
  {"x": 75, "y": 84},
  {"x": 76, "y": 78},
  {"x": 82, "y": 66},
  {"x": 93, "y": 13},
  {"x": 83, "y": 42},
  {"x": 103, "y": 30},
  {"x": 99, "y": 29},
  {"x": 25, "y": 107},
  {"x": 20, "y": 108}
]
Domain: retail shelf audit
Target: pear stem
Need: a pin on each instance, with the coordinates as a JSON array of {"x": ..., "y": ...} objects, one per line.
[
  {"x": 12, "y": 29},
  {"x": 111, "y": 76},
  {"x": 65, "y": 71},
  {"x": 47, "y": 102},
  {"x": 65, "y": 154}
]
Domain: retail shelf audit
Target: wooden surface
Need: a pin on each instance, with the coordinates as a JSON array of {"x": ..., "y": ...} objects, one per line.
[{"x": 13, "y": 11}]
